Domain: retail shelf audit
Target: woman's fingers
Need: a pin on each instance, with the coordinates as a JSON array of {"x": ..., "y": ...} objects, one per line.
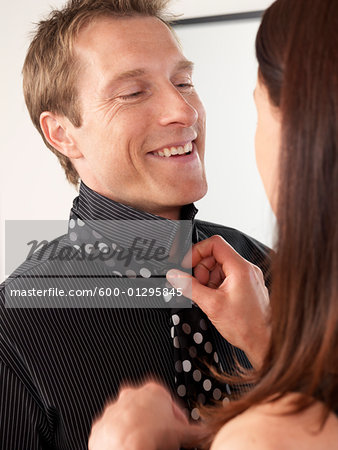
[
  {"x": 209, "y": 300},
  {"x": 203, "y": 269},
  {"x": 217, "y": 248},
  {"x": 216, "y": 277},
  {"x": 144, "y": 417},
  {"x": 232, "y": 293}
]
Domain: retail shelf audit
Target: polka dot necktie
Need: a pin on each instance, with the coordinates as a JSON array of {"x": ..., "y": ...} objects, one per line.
[
  {"x": 193, "y": 342},
  {"x": 194, "y": 351}
]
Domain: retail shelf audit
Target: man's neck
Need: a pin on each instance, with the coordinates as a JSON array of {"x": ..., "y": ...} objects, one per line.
[{"x": 119, "y": 224}]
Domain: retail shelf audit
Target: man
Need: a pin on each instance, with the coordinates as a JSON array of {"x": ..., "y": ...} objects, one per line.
[{"x": 111, "y": 93}]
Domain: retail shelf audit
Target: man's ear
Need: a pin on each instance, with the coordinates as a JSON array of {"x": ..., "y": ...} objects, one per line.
[{"x": 57, "y": 132}]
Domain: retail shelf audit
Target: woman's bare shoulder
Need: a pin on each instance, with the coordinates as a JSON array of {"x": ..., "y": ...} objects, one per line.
[{"x": 266, "y": 427}]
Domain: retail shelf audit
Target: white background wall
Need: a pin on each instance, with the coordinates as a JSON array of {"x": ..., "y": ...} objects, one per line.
[
  {"x": 33, "y": 185},
  {"x": 198, "y": 8}
]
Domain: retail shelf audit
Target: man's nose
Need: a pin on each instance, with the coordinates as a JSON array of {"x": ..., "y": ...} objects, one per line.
[{"x": 176, "y": 109}]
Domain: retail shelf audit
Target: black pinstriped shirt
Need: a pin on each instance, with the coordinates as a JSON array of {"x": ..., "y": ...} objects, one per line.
[{"x": 59, "y": 366}]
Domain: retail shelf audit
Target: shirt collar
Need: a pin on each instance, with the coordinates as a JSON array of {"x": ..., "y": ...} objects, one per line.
[
  {"x": 91, "y": 205},
  {"x": 105, "y": 215}
]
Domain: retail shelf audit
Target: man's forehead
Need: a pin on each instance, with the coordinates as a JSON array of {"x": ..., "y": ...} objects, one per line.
[
  {"x": 129, "y": 47},
  {"x": 114, "y": 33}
]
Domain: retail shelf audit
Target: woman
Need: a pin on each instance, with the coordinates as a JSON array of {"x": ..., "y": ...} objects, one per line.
[{"x": 295, "y": 397}]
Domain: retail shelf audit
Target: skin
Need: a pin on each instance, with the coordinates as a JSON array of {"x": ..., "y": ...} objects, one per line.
[
  {"x": 267, "y": 142},
  {"x": 119, "y": 427},
  {"x": 268, "y": 426},
  {"x": 136, "y": 97}
]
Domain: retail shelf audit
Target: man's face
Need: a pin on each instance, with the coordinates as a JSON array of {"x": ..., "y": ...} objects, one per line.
[{"x": 137, "y": 99}]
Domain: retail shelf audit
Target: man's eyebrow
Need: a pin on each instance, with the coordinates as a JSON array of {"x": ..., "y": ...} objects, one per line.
[
  {"x": 130, "y": 74},
  {"x": 185, "y": 65}
]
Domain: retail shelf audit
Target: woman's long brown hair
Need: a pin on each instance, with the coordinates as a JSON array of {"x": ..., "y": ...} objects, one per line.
[{"x": 297, "y": 52}]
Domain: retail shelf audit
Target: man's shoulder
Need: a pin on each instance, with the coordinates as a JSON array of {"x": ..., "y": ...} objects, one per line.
[
  {"x": 250, "y": 248},
  {"x": 38, "y": 261}
]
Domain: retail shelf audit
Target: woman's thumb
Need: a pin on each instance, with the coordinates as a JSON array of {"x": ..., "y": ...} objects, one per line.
[{"x": 191, "y": 288}]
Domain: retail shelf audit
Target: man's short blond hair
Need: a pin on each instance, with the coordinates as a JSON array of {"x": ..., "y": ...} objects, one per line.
[{"x": 50, "y": 68}]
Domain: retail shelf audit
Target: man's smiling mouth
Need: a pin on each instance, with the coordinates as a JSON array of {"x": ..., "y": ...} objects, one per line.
[{"x": 167, "y": 152}]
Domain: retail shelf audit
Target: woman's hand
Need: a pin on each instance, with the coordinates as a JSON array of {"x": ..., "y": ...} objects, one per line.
[
  {"x": 143, "y": 418},
  {"x": 232, "y": 293}
]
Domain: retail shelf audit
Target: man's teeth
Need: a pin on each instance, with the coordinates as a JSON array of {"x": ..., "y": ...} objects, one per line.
[{"x": 175, "y": 150}]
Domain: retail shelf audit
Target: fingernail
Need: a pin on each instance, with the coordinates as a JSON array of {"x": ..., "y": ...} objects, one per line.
[
  {"x": 172, "y": 276},
  {"x": 178, "y": 279}
]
